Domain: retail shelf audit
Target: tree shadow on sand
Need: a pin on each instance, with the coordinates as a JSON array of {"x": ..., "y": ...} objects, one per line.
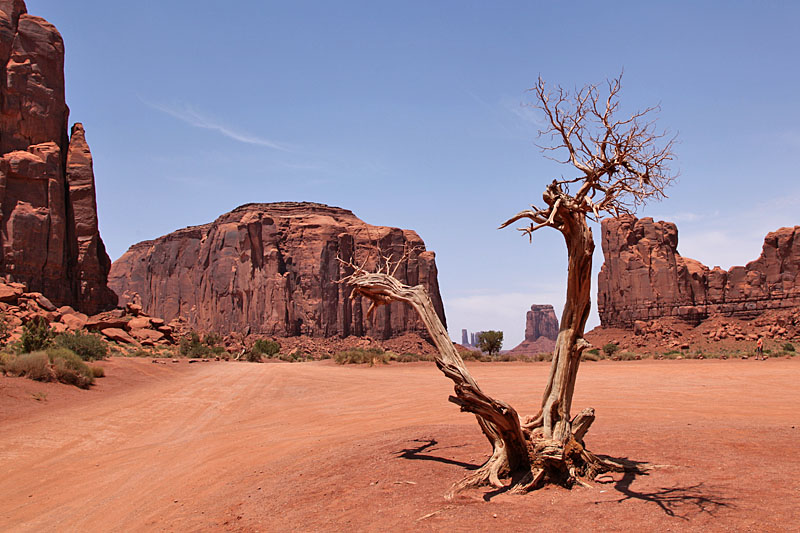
[
  {"x": 672, "y": 500},
  {"x": 428, "y": 444}
]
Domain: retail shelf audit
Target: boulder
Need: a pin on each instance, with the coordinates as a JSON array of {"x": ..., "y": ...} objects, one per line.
[
  {"x": 138, "y": 323},
  {"x": 110, "y": 319},
  {"x": 119, "y": 335},
  {"x": 9, "y": 294},
  {"x": 74, "y": 321},
  {"x": 147, "y": 335}
]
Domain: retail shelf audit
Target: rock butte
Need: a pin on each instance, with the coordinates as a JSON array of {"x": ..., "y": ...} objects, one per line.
[
  {"x": 272, "y": 269},
  {"x": 645, "y": 278},
  {"x": 541, "y": 331},
  {"x": 48, "y": 212}
]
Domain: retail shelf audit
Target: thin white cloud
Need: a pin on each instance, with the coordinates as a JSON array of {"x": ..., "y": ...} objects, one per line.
[
  {"x": 526, "y": 112},
  {"x": 185, "y": 113}
]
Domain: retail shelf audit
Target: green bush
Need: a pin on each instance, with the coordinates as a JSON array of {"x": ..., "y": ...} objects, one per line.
[
  {"x": 70, "y": 368},
  {"x": 610, "y": 349},
  {"x": 36, "y": 335},
  {"x": 266, "y": 347},
  {"x": 88, "y": 346},
  {"x": 788, "y": 347},
  {"x": 31, "y": 365},
  {"x": 359, "y": 356},
  {"x": 212, "y": 339},
  {"x": 252, "y": 357},
  {"x": 192, "y": 346},
  {"x": 490, "y": 341}
]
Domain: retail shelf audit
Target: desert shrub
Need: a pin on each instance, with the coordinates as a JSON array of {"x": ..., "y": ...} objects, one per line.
[
  {"x": 212, "y": 339},
  {"x": 266, "y": 347},
  {"x": 474, "y": 355},
  {"x": 98, "y": 371},
  {"x": 252, "y": 357},
  {"x": 590, "y": 355},
  {"x": 88, "y": 346},
  {"x": 627, "y": 356},
  {"x": 192, "y": 346},
  {"x": 5, "y": 329},
  {"x": 36, "y": 335},
  {"x": 358, "y": 356},
  {"x": 31, "y": 365},
  {"x": 407, "y": 357},
  {"x": 610, "y": 349},
  {"x": 69, "y": 367},
  {"x": 294, "y": 357},
  {"x": 544, "y": 356},
  {"x": 5, "y": 360},
  {"x": 788, "y": 347},
  {"x": 141, "y": 352}
]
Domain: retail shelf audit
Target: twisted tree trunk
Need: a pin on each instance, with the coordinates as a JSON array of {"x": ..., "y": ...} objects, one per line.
[
  {"x": 554, "y": 418},
  {"x": 527, "y": 457},
  {"x": 499, "y": 421}
]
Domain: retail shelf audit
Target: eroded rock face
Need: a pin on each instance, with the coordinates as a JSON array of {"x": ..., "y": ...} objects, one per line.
[
  {"x": 48, "y": 227},
  {"x": 541, "y": 331},
  {"x": 272, "y": 269},
  {"x": 541, "y": 321},
  {"x": 644, "y": 277}
]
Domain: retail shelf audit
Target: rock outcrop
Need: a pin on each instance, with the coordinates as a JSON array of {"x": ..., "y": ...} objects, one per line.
[
  {"x": 272, "y": 269},
  {"x": 645, "y": 278},
  {"x": 541, "y": 331},
  {"x": 48, "y": 217}
]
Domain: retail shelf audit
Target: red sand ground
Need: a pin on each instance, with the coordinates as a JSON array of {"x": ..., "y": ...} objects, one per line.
[{"x": 319, "y": 447}]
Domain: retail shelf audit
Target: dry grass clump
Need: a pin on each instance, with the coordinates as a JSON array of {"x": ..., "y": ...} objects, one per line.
[
  {"x": 54, "y": 364},
  {"x": 360, "y": 356},
  {"x": 34, "y": 365}
]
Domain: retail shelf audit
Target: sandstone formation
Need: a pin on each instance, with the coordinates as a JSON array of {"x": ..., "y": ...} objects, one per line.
[
  {"x": 48, "y": 217},
  {"x": 272, "y": 269},
  {"x": 125, "y": 326},
  {"x": 645, "y": 278},
  {"x": 541, "y": 331}
]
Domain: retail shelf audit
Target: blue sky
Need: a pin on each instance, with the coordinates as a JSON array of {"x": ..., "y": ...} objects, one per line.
[{"x": 411, "y": 114}]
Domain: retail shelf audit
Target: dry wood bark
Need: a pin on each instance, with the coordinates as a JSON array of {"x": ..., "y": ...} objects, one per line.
[{"x": 621, "y": 165}]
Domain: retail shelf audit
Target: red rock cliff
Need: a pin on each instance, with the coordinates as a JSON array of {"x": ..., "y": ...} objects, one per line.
[
  {"x": 48, "y": 223},
  {"x": 644, "y": 277},
  {"x": 272, "y": 269},
  {"x": 541, "y": 331}
]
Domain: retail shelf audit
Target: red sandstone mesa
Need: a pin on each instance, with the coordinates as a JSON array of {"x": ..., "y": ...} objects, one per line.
[
  {"x": 273, "y": 269},
  {"x": 48, "y": 214},
  {"x": 644, "y": 277}
]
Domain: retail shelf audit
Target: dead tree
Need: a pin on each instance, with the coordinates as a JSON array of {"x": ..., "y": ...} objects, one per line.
[{"x": 620, "y": 163}]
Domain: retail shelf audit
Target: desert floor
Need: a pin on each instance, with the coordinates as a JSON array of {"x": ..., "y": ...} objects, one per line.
[{"x": 319, "y": 447}]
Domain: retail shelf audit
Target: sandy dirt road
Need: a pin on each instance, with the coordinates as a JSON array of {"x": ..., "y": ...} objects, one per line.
[{"x": 320, "y": 447}]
